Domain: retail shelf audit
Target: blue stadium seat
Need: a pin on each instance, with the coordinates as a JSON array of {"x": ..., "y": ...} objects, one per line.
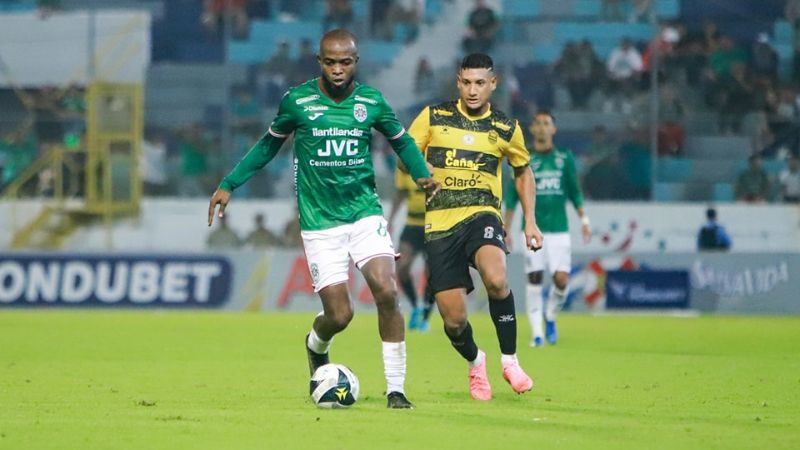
[
  {"x": 547, "y": 52},
  {"x": 675, "y": 169},
  {"x": 379, "y": 53},
  {"x": 723, "y": 192},
  {"x": 520, "y": 9},
  {"x": 667, "y": 9}
]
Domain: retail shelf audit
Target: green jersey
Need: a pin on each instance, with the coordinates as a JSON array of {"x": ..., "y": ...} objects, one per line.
[
  {"x": 334, "y": 176},
  {"x": 556, "y": 181}
]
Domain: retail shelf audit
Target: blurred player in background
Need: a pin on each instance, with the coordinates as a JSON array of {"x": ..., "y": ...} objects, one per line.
[
  {"x": 340, "y": 213},
  {"x": 412, "y": 244},
  {"x": 465, "y": 141},
  {"x": 556, "y": 182}
]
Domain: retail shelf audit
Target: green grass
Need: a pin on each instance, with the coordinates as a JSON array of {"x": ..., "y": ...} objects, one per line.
[{"x": 228, "y": 380}]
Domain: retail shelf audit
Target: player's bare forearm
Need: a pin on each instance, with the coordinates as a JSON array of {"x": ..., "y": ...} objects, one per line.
[
  {"x": 221, "y": 197},
  {"x": 526, "y": 189}
]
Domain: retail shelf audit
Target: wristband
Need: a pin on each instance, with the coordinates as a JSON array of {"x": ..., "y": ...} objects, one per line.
[{"x": 585, "y": 221}]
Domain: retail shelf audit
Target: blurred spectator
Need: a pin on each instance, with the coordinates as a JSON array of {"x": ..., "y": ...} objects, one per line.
[
  {"x": 735, "y": 99},
  {"x": 641, "y": 11},
  {"x": 611, "y": 10},
  {"x": 662, "y": 46},
  {"x": 784, "y": 112},
  {"x": 380, "y": 25},
  {"x": 213, "y": 17},
  {"x": 792, "y": 12},
  {"x": 222, "y": 237},
  {"x": 245, "y": 111},
  {"x": 764, "y": 60},
  {"x": 307, "y": 66},
  {"x": 790, "y": 181},
  {"x": 483, "y": 23},
  {"x": 580, "y": 70},
  {"x": 261, "y": 237},
  {"x": 408, "y": 14},
  {"x": 712, "y": 235},
  {"x": 291, "y": 232},
  {"x": 339, "y": 14},
  {"x": 600, "y": 148},
  {"x": 606, "y": 180},
  {"x": 624, "y": 69},
  {"x": 272, "y": 77},
  {"x": 753, "y": 183},
  {"x": 724, "y": 57},
  {"x": 194, "y": 149},
  {"x": 153, "y": 163},
  {"x": 671, "y": 133},
  {"x": 424, "y": 81}
]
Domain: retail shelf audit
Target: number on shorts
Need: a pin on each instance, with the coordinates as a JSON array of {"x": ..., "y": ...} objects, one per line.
[{"x": 488, "y": 232}]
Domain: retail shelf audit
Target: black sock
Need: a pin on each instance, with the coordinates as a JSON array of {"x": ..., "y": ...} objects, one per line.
[
  {"x": 505, "y": 322},
  {"x": 430, "y": 300},
  {"x": 408, "y": 289},
  {"x": 464, "y": 343}
]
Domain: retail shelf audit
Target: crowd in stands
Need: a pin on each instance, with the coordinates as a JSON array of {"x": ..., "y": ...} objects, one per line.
[
  {"x": 223, "y": 237},
  {"x": 700, "y": 69}
]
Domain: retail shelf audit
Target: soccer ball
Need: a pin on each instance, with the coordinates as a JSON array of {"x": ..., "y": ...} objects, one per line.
[{"x": 334, "y": 386}]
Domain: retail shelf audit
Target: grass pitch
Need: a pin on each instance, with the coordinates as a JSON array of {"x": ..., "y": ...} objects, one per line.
[{"x": 234, "y": 380}]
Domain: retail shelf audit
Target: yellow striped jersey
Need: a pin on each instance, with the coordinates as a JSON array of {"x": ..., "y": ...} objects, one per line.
[
  {"x": 415, "y": 202},
  {"x": 466, "y": 154}
]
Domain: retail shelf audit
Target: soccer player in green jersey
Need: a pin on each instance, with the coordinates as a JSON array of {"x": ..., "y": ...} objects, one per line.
[
  {"x": 340, "y": 212},
  {"x": 556, "y": 182}
]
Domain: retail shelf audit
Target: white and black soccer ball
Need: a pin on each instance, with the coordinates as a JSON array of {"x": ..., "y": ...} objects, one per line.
[{"x": 334, "y": 386}]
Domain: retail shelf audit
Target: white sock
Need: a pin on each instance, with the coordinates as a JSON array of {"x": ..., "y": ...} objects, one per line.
[
  {"x": 555, "y": 302},
  {"x": 478, "y": 359},
  {"x": 508, "y": 359},
  {"x": 533, "y": 302},
  {"x": 316, "y": 344},
  {"x": 394, "y": 366}
]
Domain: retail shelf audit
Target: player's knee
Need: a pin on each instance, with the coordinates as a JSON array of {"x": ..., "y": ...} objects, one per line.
[
  {"x": 496, "y": 285},
  {"x": 561, "y": 279},
  {"x": 385, "y": 293},
  {"x": 341, "y": 318},
  {"x": 535, "y": 277},
  {"x": 454, "y": 325}
]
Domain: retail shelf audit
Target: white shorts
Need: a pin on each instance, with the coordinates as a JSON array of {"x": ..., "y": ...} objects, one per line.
[
  {"x": 555, "y": 255},
  {"x": 328, "y": 252}
]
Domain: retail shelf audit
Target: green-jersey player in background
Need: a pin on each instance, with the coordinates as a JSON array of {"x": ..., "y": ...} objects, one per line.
[
  {"x": 340, "y": 212},
  {"x": 556, "y": 183}
]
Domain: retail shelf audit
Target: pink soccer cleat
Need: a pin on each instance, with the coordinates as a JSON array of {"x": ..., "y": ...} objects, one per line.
[
  {"x": 479, "y": 387},
  {"x": 517, "y": 378}
]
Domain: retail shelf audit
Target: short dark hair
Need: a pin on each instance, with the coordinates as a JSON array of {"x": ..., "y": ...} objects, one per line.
[
  {"x": 547, "y": 112},
  {"x": 477, "y": 61},
  {"x": 711, "y": 214}
]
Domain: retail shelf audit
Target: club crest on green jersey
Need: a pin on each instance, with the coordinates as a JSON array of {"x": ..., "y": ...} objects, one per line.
[{"x": 360, "y": 112}]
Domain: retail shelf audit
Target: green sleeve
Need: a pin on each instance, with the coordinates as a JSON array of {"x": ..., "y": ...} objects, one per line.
[
  {"x": 409, "y": 153},
  {"x": 510, "y": 194},
  {"x": 264, "y": 150},
  {"x": 405, "y": 147},
  {"x": 571, "y": 180},
  {"x": 257, "y": 157}
]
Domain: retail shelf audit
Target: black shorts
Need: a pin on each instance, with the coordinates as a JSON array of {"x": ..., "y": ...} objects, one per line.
[
  {"x": 415, "y": 236},
  {"x": 450, "y": 257}
]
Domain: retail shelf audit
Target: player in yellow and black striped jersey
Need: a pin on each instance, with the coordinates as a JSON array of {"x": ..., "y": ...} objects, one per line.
[
  {"x": 412, "y": 244},
  {"x": 465, "y": 141}
]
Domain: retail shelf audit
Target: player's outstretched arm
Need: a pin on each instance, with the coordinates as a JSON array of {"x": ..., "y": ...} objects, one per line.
[{"x": 221, "y": 197}]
